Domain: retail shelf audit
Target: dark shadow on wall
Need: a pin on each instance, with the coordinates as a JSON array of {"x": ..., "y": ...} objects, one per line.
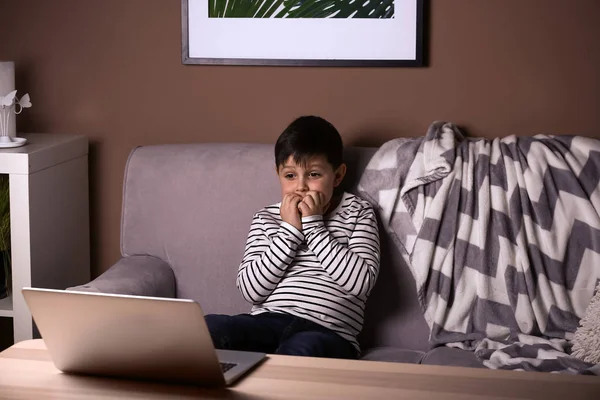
[
  {"x": 425, "y": 38},
  {"x": 94, "y": 194}
]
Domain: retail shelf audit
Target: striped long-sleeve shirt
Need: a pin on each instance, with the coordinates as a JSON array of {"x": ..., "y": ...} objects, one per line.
[{"x": 323, "y": 273}]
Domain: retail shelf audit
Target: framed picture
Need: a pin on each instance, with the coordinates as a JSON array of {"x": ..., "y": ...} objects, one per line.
[{"x": 303, "y": 32}]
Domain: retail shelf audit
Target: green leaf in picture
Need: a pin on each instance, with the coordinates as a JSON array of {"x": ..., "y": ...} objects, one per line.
[{"x": 301, "y": 9}]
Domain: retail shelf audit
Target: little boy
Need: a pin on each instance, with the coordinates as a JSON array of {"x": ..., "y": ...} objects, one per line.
[{"x": 310, "y": 261}]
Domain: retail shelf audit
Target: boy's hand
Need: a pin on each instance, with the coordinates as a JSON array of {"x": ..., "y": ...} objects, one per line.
[
  {"x": 289, "y": 210},
  {"x": 312, "y": 204}
]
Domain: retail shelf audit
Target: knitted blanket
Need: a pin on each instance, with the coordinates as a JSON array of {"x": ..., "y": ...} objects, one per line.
[{"x": 502, "y": 237}]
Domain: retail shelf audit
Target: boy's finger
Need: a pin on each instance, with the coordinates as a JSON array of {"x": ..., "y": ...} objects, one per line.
[
  {"x": 315, "y": 197},
  {"x": 303, "y": 207},
  {"x": 309, "y": 201},
  {"x": 322, "y": 197},
  {"x": 290, "y": 198}
]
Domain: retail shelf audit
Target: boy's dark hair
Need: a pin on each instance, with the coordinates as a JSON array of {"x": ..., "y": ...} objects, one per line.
[{"x": 309, "y": 136}]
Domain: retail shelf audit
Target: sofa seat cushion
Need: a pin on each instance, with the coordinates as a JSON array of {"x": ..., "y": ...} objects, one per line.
[
  {"x": 452, "y": 357},
  {"x": 393, "y": 354}
]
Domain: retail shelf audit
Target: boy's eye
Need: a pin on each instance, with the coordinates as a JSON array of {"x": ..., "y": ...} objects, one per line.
[
  {"x": 314, "y": 174},
  {"x": 289, "y": 176}
]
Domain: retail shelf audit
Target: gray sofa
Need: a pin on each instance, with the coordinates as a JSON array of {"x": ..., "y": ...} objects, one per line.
[{"x": 186, "y": 212}]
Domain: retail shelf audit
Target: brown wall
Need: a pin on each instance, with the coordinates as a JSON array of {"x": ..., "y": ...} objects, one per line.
[{"x": 111, "y": 69}]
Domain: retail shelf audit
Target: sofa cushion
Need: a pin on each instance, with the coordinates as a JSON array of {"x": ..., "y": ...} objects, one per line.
[
  {"x": 393, "y": 317},
  {"x": 451, "y": 356},
  {"x": 393, "y": 354},
  {"x": 135, "y": 275},
  {"x": 191, "y": 205}
]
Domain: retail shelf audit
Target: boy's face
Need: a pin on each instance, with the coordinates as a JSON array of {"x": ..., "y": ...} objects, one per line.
[{"x": 317, "y": 175}]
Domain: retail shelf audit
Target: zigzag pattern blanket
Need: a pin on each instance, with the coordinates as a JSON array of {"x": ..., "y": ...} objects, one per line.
[{"x": 502, "y": 237}]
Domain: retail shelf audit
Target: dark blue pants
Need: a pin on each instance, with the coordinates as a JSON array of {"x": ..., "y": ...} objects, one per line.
[{"x": 277, "y": 333}]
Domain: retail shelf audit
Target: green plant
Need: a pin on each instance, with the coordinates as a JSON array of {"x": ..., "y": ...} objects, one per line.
[
  {"x": 301, "y": 9},
  {"x": 5, "y": 231}
]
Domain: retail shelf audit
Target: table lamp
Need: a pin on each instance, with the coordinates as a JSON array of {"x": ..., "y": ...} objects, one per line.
[{"x": 10, "y": 104}]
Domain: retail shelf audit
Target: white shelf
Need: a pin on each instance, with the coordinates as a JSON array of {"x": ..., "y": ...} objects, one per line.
[
  {"x": 41, "y": 151},
  {"x": 6, "y": 308},
  {"x": 49, "y": 219}
]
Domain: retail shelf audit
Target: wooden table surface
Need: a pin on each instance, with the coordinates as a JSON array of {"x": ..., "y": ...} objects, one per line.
[{"x": 27, "y": 372}]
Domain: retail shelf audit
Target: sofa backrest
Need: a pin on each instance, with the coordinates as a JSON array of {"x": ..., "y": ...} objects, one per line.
[{"x": 191, "y": 205}]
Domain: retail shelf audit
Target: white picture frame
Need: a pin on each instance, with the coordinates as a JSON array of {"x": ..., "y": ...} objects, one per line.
[{"x": 392, "y": 41}]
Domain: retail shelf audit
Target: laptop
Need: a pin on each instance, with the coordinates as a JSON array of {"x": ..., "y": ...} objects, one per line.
[{"x": 149, "y": 338}]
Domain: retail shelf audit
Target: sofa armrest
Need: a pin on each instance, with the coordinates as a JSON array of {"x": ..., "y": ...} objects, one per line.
[{"x": 134, "y": 275}]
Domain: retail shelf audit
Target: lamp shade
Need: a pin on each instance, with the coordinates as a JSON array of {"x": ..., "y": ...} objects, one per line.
[{"x": 7, "y": 85}]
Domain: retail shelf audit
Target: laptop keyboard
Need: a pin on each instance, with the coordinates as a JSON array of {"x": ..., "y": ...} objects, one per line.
[{"x": 227, "y": 366}]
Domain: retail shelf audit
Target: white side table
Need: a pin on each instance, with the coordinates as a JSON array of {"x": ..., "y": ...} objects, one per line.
[{"x": 49, "y": 208}]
